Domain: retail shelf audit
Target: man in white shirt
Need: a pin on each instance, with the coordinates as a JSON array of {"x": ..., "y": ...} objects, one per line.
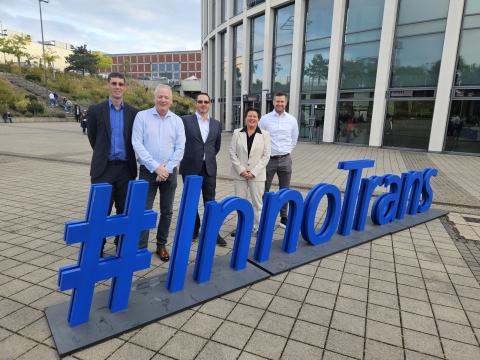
[
  {"x": 283, "y": 129},
  {"x": 158, "y": 138}
]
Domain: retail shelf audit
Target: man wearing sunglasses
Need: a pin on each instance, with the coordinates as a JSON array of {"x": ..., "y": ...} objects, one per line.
[
  {"x": 109, "y": 125},
  {"x": 203, "y": 139}
]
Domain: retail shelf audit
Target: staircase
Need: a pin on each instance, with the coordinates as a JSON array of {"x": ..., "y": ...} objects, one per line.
[{"x": 31, "y": 87}]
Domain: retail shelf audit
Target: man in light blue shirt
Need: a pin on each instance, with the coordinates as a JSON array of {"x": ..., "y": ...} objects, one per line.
[{"x": 158, "y": 139}]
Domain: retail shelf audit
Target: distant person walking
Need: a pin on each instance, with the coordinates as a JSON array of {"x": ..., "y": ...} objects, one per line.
[
  {"x": 283, "y": 129},
  {"x": 77, "y": 111},
  {"x": 84, "y": 122},
  {"x": 51, "y": 99},
  {"x": 109, "y": 125}
]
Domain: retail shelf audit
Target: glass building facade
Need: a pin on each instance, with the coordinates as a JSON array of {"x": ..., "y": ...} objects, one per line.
[
  {"x": 417, "y": 55},
  {"x": 316, "y": 49},
  {"x": 463, "y": 129},
  {"x": 256, "y": 55},
  {"x": 359, "y": 69},
  {"x": 282, "y": 49},
  {"x": 364, "y": 72}
]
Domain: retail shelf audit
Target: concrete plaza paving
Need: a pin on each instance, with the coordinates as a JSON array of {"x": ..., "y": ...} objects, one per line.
[{"x": 411, "y": 295}]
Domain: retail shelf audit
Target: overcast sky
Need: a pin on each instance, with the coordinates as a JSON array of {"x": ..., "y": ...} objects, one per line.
[{"x": 122, "y": 26}]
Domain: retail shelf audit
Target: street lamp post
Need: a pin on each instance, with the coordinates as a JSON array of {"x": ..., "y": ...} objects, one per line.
[{"x": 43, "y": 42}]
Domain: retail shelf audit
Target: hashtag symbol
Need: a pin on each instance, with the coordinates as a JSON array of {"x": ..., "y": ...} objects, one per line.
[{"x": 90, "y": 233}]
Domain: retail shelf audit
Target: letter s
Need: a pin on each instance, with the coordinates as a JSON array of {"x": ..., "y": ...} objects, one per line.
[{"x": 427, "y": 192}]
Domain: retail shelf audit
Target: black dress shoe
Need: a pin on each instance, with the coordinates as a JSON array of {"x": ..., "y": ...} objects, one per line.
[{"x": 221, "y": 241}]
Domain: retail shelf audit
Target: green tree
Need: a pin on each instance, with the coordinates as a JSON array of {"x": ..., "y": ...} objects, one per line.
[
  {"x": 16, "y": 46},
  {"x": 104, "y": 62},
  {"x": 50, "y": 57},
  {"x": 82, "y": 60},
  {"x": 5, "y": 45},
  {"x": 126, "y": 68}
]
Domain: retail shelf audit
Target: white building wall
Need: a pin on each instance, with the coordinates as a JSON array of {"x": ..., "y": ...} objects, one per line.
[
  {"x": 446, "y": 75},
  {"x": 383, "y": 72},
  {"x": 334, "y": 64}
]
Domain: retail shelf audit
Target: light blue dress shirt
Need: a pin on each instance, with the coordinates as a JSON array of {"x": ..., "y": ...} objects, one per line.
[
  {"x": 117, "y": 141},
  {"x": 158, "y": 140}
]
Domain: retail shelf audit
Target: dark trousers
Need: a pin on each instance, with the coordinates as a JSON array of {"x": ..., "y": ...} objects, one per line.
[
  {"x": 167, "y": 195},
  {"x": 209, "y": 185},
  {"x": 282, "y": 166},
  {"x": 118, "y": 175}
]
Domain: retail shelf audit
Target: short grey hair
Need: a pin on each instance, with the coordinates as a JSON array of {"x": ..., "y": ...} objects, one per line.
[{"x": 162, "y": 86}]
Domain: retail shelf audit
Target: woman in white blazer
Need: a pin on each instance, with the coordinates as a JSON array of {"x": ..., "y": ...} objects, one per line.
[{"x": 250, "y": 152}]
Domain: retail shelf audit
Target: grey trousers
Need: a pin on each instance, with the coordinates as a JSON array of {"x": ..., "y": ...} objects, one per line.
[
  {"x": 167, "y": 195},
  {"x": 283, "y": 168}
]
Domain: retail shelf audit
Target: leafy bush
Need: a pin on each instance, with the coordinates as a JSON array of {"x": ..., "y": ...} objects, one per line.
[
  {"x": 33, "y": 77},
  {"x": 15, "y": 69},
  {"x": 31, "y": 98},
  {"x": 7, "y": 93},
  {"x": 21, "y": 106},
  {"x": 35, "y": 107},
  {"x": 3, "y": 107},
  {"x": 182, "y": 105}
]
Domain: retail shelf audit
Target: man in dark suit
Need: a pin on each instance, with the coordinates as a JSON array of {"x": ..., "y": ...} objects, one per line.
[
  {"x": 203, "y": 139},
  {"x": 109, "y": 125}
]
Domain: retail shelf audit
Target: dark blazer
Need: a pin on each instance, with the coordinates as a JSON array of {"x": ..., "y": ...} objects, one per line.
[
  {"x": 99, "y": 134},
  {"x": 192, "y": 161}
]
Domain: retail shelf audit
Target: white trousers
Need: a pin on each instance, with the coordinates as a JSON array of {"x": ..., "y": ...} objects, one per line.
[{"x": 255, "y": 189}]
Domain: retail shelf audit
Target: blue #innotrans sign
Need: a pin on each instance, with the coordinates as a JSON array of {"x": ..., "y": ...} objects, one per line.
[{"x": 92, "y": 317}]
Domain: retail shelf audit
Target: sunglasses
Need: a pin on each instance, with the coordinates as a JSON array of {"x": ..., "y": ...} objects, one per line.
[
  {"x": 114, "y": 83},
  {"x": 203, "y": 101}
]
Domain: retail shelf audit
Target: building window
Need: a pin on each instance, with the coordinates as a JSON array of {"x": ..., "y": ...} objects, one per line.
[
  {"x": 252, "y": 3},
  {"x": 237, "y": 75},
  {"x": 415, "y": 67},
  {"x": 224, "y": 10},
  {"x": 256, "y": 55},
  {"x": 359, "y": 70},
  {"x": 418, "y": 43},
  {"x": 361, "y": 44},
  {"x": 408, "y": 123},
  {"x": 170, "y": 71},
  {"x": 223, "y": 78},
  {"x": 237, "y": 7},
  {"x": 316, "y": 49},
  {"x": 282, "y": 49},
  {"x": 463, "y": 130},
  {"x": 354, "y": 117}
]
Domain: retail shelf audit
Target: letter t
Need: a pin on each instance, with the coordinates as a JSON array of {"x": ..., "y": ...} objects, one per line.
[{"x": 354, "y": 168}]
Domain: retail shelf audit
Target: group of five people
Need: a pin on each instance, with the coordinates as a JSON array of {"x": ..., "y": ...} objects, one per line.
[{"x": 165, "y": 144}]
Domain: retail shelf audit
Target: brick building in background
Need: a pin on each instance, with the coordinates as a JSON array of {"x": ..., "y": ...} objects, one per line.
[{"x": 174, "y": 66}]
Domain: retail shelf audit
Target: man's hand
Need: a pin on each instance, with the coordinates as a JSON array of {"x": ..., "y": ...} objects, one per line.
[{"x": 162, "y": 173}]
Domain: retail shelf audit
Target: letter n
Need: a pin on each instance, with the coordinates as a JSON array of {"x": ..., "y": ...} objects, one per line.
[{"x": 213, "y": 218}]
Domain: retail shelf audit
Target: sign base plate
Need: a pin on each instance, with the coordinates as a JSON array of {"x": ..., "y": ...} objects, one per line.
[
  {"x": 280, "y": 261},
  {"x": 149, "y": 301}
]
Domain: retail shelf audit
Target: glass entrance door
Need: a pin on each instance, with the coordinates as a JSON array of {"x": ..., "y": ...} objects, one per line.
[
  {"x": 312, "y": 117},
  {"x": 237, "y": 120}
]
